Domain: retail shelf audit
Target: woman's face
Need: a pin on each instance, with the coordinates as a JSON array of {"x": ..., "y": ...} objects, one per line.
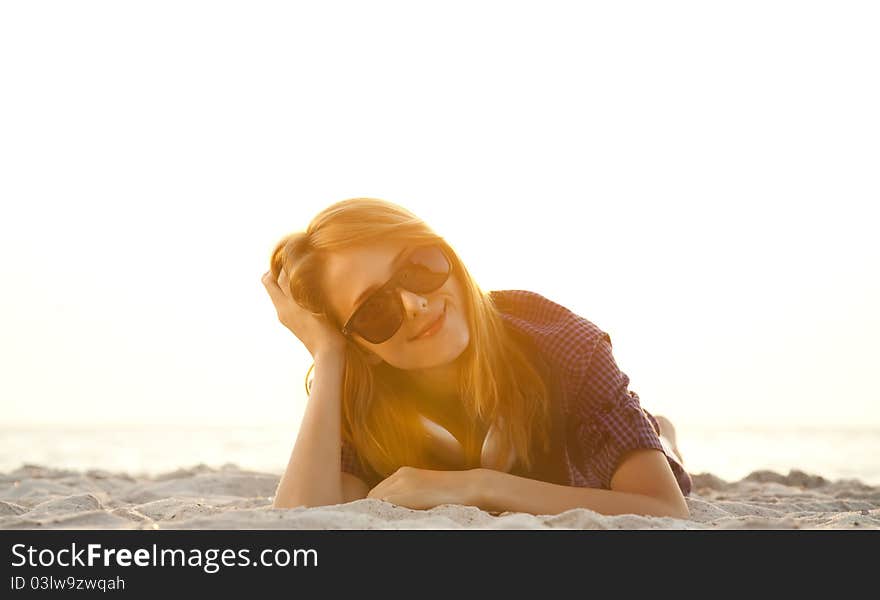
[{"x": 353, "y": 271}]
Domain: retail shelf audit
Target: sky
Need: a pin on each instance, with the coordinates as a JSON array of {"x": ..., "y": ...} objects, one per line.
[{"x": 699, "y": 180}]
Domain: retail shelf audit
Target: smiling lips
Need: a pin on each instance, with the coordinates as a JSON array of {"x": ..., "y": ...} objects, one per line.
[{"x": 433, "y": 328}]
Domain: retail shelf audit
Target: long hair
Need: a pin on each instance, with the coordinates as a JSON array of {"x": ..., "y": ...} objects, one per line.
[{"x": 379, "y": 418}]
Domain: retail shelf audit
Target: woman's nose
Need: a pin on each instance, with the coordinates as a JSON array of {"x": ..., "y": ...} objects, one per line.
[{"x": 415, "y": 304}]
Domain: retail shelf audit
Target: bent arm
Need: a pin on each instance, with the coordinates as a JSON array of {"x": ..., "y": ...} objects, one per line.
[
  {"x": 643, "y": 484},
  {"x": 313, "y": 476}
]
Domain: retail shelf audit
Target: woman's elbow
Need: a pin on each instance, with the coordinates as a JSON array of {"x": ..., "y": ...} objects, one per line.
[
  {"x": 679, "y": 510},
  {"x": 293, "y": 502},
  {"x": 287, "y": 501},
  {"x": 684, "y": 515},
  {"x": 284, "y": 503}
]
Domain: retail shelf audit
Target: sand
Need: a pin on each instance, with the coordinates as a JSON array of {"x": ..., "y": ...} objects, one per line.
[{"x": 201, "y": 497}]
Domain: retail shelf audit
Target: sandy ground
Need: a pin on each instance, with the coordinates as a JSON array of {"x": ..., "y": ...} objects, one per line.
[{"x": 39, "y": 497}]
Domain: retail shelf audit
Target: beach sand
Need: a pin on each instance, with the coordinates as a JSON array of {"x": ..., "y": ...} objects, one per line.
[{"x": 201, "y": 497}]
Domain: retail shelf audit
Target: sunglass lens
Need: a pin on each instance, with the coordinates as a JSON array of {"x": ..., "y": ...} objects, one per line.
[
  {"x": 379, "y": 318},
  {"x": 427, "y": 270}
]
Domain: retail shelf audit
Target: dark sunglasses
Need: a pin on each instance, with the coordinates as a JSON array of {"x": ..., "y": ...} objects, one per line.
[{"x": 381, "y": 314}]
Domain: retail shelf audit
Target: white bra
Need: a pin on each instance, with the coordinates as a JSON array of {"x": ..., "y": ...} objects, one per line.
[{"x": 492, "y": 455}]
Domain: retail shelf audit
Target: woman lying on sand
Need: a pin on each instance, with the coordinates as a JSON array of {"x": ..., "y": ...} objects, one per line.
[{"x": 428, "y": 391}]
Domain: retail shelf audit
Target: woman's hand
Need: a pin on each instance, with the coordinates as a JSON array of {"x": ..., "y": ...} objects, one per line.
[
  {"x": 316, "y": 334},
  {"x": 423, "y": 489}
]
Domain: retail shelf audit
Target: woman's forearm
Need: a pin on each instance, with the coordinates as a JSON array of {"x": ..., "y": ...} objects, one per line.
[
  {"x": 313, "y": 476},
  {"x": 499, "y": 492}
]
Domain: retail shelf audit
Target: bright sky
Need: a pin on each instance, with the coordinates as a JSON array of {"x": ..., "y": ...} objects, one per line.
[{"x": 698, "y": 180}]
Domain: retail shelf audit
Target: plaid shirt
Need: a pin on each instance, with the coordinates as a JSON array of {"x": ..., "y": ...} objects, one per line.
[{"x": 596, "y": 419}]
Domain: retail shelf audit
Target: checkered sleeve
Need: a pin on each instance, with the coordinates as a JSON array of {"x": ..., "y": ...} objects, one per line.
[{"x": 611, "y": 421}]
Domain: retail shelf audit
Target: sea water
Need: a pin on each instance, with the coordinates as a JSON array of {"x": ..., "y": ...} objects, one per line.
[{"x": 727, "y": 453}]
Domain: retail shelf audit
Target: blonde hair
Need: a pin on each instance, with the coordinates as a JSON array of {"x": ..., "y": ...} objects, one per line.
[{"x": 496, "y": 379}]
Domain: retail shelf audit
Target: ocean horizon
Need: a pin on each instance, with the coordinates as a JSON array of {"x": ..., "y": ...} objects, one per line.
[{"x": 728, "y": 453}]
